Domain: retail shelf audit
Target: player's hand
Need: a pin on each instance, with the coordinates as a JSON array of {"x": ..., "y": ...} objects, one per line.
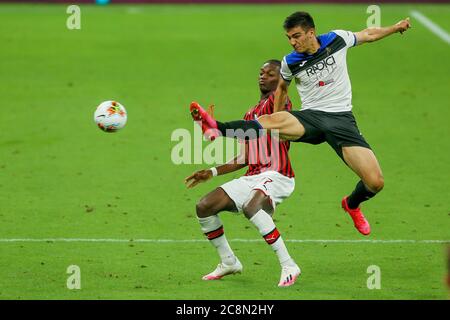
[
  {"x": 403, "y": 25},
  {"x": 197, "y": 177}
]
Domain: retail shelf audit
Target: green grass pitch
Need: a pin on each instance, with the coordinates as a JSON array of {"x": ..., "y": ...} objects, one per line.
[{"x": 61, "y": 177}]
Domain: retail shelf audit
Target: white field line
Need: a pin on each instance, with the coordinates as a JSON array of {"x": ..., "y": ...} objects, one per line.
[
  {"x": 12, "y": 240},
  {"x": 433, "y": 27}
]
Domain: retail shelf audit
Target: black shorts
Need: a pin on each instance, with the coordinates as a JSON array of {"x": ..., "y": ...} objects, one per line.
[{"x": 339, "y": 129}]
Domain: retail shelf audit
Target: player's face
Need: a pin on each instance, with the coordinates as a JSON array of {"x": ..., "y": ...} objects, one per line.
[
  {"x": 300, "y": 39},
  {"x": 269, "y": 76}
]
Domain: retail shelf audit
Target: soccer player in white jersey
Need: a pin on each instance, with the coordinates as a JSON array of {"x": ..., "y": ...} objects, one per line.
[{"x": 319, "y": 69}]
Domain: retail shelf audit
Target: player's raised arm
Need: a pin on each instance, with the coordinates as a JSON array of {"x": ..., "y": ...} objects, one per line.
[
  {"x": 281, "y": 95},
  {"x": 376, "y": 33}
]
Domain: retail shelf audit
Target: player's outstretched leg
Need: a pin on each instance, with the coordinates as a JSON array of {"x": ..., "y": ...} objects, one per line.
[
  {"x": 364, "y": 163},
  {"x": 212, "y": 128},
  {"x": 288, "y": 127},
  {"x": 212, "y": 227},
  {"x": 256, "y": 210}
]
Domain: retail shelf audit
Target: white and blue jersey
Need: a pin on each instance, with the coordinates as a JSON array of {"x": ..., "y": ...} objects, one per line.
[{"x": 322, "y": 78}]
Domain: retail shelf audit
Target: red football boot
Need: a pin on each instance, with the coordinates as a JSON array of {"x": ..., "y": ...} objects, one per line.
[
  {"x": 361, "y": 224},
  {"x": 208, "y": 123}
]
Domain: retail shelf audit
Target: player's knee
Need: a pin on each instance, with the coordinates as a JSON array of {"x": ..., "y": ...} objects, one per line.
[
  {"x": 376, "y": 183},
  {"x": 204, "y": 209},
  {"x": 379, "y": 185},
  {"x": 249, "y": 210}
]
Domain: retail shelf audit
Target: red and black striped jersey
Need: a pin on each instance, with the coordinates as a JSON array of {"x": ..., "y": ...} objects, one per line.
[{"x": 267, "y": 153}]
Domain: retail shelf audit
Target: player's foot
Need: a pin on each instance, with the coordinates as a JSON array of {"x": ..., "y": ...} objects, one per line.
[
  {"x": 288, "y": 275},
  {"x": 208, "y": 123},
  {"x": 361, "y": 223},
  {"x": 224, "y": 270}
]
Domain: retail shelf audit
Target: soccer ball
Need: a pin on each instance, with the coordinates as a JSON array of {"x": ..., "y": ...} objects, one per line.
[{"x": 110, "y": 116}]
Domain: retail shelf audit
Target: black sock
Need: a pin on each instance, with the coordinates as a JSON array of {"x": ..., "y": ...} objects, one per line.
[
  {"x": 359, "y": 195},
  {"x": 240, "y": 129}
]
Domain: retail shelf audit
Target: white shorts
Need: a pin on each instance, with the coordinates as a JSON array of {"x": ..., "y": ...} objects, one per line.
[{"x": 275, "y": 185}]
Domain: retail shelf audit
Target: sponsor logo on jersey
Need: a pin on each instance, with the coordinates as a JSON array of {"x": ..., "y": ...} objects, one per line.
[
  {"x": 321, "y": 65},
  {"x": 323, "y": 83}
]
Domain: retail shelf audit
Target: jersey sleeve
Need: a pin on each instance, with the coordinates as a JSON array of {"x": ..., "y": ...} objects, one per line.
[
  {"x": 348, "y": 36},
  {"x": 285, "y": 72}
]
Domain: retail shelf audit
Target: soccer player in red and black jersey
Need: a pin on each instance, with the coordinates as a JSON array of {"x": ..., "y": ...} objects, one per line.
[{"x": 268, "y": 181}]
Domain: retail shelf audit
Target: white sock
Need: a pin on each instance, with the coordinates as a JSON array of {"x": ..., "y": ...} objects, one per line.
[
  {"x": 213, "y": 229},
  {"x": 266, "y": 227}
]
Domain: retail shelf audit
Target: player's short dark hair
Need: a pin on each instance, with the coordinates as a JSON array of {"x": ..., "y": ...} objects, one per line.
[
  {"x": 274, "y": 62},
  {"x": 299, "y": 19}
]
